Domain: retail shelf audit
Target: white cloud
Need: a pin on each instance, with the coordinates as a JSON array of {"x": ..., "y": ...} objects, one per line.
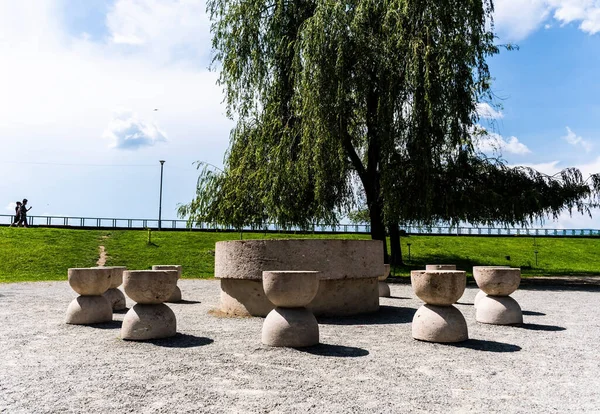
[
  {"x": 548, "y": 168},
  {"x": 486, "y": 111},
  {"x": 516, "y": 19},
  {"x": 574, "y": 140},
  {"x": 173, "y": 28},
  {"x": 492, "y": 143},
  {"x": 126, "y": 131},
  {"x": 11, "y": 207}
]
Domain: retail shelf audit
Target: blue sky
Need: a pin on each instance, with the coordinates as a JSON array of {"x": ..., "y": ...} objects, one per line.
[{"x": 80, "y": 82}]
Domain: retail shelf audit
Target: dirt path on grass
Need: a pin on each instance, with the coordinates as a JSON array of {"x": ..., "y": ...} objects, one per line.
[
  {"x": 367, "y": 364},
  {"x": 102, "y": 259}
]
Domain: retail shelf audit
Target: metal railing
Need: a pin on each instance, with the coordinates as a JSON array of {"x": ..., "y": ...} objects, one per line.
[{"x": 126, "y": 223}]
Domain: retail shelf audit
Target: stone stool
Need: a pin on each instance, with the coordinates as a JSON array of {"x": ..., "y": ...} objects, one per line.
[
  {"x": 481, "y": 293},
  {"x": 384, "y": 288},
  {"x": 438, "y": 320},
  {"x": 149, "y": 318},
  {"x": 440, "y": 267},
  {"x": 496, "y": 307},
  {"x": 91, "y": 307},
  {"x": 290, "y": 324},
  {"x": 176, "y": 296},
  {"x": 114, "y": 295}
]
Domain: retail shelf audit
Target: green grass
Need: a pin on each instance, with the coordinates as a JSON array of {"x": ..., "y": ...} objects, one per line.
[{"x": 35, "y": 254}]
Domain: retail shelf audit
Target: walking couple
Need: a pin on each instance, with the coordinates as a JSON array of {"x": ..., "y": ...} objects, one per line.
[{"x": 21, "y": 214}]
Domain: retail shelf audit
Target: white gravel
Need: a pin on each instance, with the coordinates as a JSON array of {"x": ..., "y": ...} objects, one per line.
[{"x": 367, "y": 364}]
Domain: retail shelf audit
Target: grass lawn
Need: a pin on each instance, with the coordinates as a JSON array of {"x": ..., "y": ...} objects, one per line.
[{"x": 36, "y": 254}]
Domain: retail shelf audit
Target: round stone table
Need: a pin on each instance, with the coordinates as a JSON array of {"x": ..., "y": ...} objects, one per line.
[{"x": 348, "y": 278}]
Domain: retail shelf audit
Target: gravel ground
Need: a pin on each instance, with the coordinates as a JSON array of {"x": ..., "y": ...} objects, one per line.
[{"x": 366, "y": 364}]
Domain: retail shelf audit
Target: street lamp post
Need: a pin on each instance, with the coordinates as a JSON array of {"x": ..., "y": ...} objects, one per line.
[{"x": 162, "y": 162}]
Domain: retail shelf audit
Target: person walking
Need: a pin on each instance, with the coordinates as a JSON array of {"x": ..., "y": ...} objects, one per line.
[
  {"x": 17, "y": 215},
  {"x": 24, "y": 210}
]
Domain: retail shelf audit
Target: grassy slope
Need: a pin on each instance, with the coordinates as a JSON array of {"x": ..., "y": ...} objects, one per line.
[{"x": 45, "y": 254}]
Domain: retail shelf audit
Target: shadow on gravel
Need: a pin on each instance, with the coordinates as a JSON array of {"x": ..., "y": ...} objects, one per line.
[
  {"x": 531, "y": 313},
  {"x": 560, "y": 287},
  {"x": 181, "y": 341},
  {"x": 385, "y": 315},
  {"x": 465, "y": 304},
  {"x": 123, "y": 311},
  {"x": 188, "y": 302},
  {"x": 537, "y": 327},
  {"x": 334, "y": 351},
  {"x": 487, "y": 346},
  {"x": 107, "y": 325},
  {"x": 397, "y": 297}
]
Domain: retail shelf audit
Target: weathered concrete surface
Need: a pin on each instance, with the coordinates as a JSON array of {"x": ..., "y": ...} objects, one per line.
[
  {"x": 334, "y": 297},
  {"x": 92, "y": 281},
  {"x": 177, "y": 268},
  {"x": 478, "y": 297},
  {"x": 145, "y": 322},
  {"x": 440, "y": 267},
  {"x": 176, "y": 295},
  {"x": 116, "y": 275},
  {"x": 384, "y": 290},
  {"x": 442, "y": 324},
  {"x": 499, "y": 310},
  {"x": 438, "y": 287},
  {"x": 149, "y": 287},
  {"x": 334, "y": 258},
  {"x": 290, "y": 289},
  {"x": 365, "y": 364},
  {"x": 497, "y": 281},
  {"x": 89, "y": 310},
  {"x": 386, "y": 272},
  {"x": 290, "y": 327},
  {"x": 116, "y": 298}
]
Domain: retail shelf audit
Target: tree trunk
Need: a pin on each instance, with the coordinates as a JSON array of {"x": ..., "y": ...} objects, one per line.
[
  {"x": 395, "y": 246},
  {"x": 376, "y": 217}
]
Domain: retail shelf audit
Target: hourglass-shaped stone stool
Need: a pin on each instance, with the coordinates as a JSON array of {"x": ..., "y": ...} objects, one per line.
[
  {"x": 176, "y": 295},
  {"x": 481, "y": 293},
  {"x": 91, "y": 307},
  {"x": 384, "y": 288},
  {"x": 290, "y": 324},
  {"x": 497, "y": 307},
  {"x": 438, "y": 320},
  {"x": 114, "y": 295},
  {"x": 149, "y": 318},
  {"x": 440, "y": 267}
]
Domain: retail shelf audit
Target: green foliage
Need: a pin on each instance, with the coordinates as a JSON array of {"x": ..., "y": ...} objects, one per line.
[
  {"x": 333, "y": 96},
  {"x": 38, "y": 254}
]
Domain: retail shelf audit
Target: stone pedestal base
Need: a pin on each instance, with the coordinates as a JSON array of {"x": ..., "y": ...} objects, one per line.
[
  {"x": 499, "y": 310},
  {"x": 290, "y": 327},
  {"x": 87, "y": 310},
  {"x": 443, "y": 324},
  {"x": 144, "y": 322},
  {"x": 175, "y": 296},
  {"x": 336, "y": 297},
  {"x": 116, "y": 298},
  {"x": 384, "y": 290},
  {"x": 478, "y": 296}
]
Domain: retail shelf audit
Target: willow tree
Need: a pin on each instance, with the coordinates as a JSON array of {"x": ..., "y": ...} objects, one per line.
[{"x": 326, "y": 93}]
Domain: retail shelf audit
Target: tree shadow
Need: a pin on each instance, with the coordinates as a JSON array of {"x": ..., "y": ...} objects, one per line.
[
  {"x": 386, "y": 315},
  {"x": 181, "y": 341},
  {"x": 486, "y": 346},
  {"x": 531, "y": 313},
  {"x": 339, "y": 351},
  {"x": 538, "y": 327},
  {"x": 554, "y": 285},
  {"x": 107, "y": 325},
  {"x": 188, "y": 302}
]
